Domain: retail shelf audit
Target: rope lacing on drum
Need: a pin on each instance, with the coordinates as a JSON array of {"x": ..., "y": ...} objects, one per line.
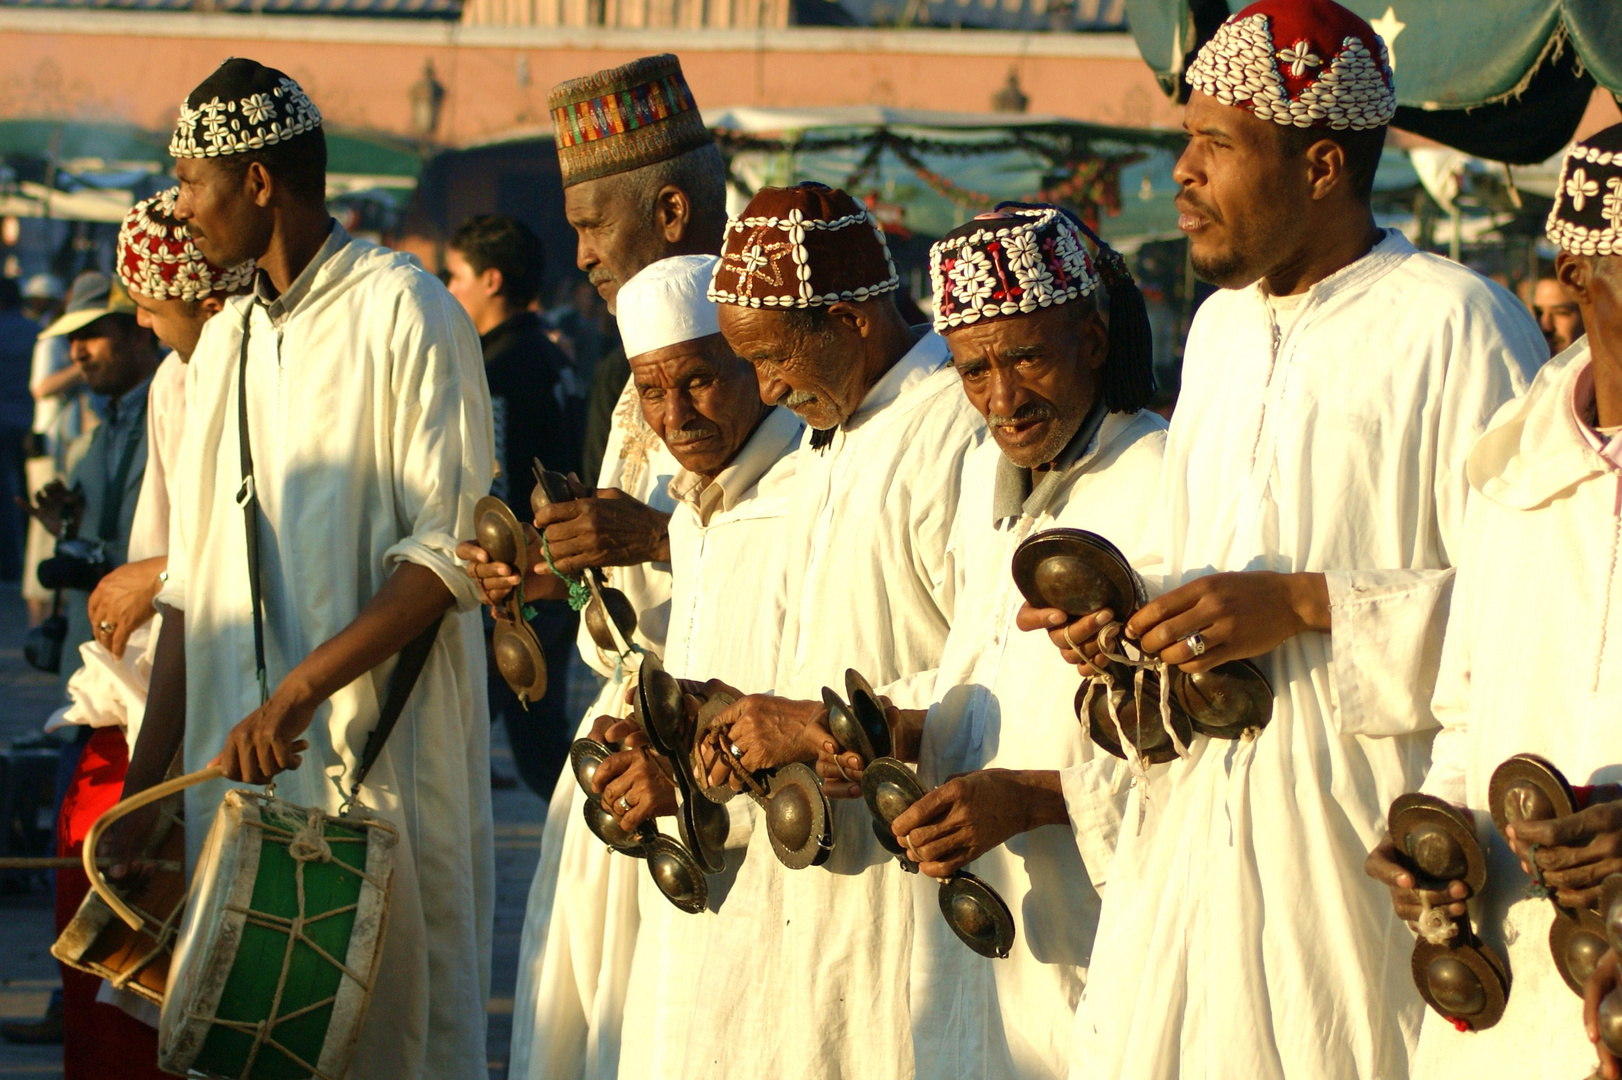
[{"x": 312, "y": 845}]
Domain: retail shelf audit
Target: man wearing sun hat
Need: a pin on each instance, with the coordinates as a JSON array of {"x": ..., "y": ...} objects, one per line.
[
  {"x": 1539, "y": 555},
  {"x": 806, "y": 288},
  {"x": 1312, "y": 505}
]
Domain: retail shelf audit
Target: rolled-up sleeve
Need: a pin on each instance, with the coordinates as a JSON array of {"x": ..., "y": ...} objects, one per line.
[
  {"x": 1388, "y": 627},
  {"x": 443, "y": 440}
]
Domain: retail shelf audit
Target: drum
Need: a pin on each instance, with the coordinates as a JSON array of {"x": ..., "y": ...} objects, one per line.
[
  {"x": 98, "y": 941},
  {"x": 279, "y": 947}
]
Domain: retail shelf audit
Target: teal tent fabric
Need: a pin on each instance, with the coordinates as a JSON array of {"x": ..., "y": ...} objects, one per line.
[{"x": 1507, "y": 79}]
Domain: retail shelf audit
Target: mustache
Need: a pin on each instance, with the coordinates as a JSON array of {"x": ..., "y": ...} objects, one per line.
[
  {"x": 598, "y": 277},
  {"x": 794, "y": 398},
  {"x": 1188, "y": 204},
  {"x": 694, "y": 433},
  {"x": 1030, "y": 412}
]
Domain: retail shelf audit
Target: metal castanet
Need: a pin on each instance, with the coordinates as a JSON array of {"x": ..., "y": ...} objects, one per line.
[
  {"x": 674, "y": 871},
  {"x": 1529, "y": 788},
  {"x": 609, "y": 613},
  {"x": 974, "y": 911},
  {"x": 1080, "y": 572},
  {"x": 703, "y": 824},
  {"x": 517, "y": 650},
  {"x": 1610, "y": 1006},
  {"x": 1458, "y": 975},
  {"x": 796, "y": 813}
]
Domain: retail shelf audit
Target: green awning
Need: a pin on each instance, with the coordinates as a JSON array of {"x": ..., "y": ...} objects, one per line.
[{"x": 1524, "y": 69}]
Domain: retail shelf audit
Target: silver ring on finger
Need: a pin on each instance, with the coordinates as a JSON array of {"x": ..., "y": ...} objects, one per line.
[
  {"x": 625, "y": 807},
  {"x": 735, "y": 751},
  {"x": 105, "y": 626},
  {"x": 1196, "y": 644}
]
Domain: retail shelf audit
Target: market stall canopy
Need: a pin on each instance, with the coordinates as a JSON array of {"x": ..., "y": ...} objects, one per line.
[{"x": 1502, "y": 79}]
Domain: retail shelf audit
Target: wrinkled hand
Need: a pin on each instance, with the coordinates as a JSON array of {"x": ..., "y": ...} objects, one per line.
[
  {"x": 123, "y": 599},
  {"x": 636, "y": 777},
  {"x": 769, "y": 732},
  {"x": 964, "y": 818},
  {"x": 267, "y": 741},
  {"x": 1075, "y": 636},
  {"x": 1239, "y": 615},
  {"x": 1607, "y": 977},
  {"x": 55, "y": 507},
  {"x": 1386, "y": 864},
  {"x": 1575, "y": 853},
  {"x": 610, "y": 529}
]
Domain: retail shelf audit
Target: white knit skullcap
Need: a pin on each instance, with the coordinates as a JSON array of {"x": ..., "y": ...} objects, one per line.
[{"x": 666, "y": 304}]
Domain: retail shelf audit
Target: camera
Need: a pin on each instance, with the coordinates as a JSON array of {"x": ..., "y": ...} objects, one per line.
[
  {"x": 77, "y": 564},
  {"x": 42, "y": 648}
]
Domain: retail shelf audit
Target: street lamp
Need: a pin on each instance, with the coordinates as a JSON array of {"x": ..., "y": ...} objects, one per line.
[
  {"x": 1010, "y": 99},
  {"x": 427, "y": 101}
]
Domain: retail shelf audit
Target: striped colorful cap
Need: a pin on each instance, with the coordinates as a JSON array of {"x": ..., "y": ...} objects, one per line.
[{"x": 623, "y": 118}]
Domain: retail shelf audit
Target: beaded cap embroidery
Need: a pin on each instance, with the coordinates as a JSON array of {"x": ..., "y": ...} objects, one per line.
[
  {"x": 1300, "y": 63},
  {"x": 1010, "y": 262},
  {"x": 624, "y": 118},
  {"x": 1586, "y": 218},
  {"x": 156, "y": 256},
  {"x": 243, "y": 106},
  {"x": 802, "y": 247}
]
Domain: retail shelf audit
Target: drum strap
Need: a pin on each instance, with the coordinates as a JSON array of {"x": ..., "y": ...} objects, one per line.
[{"x": 413, "y": 656}]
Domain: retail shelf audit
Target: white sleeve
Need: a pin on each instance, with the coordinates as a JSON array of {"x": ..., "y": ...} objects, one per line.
[
  {"x": 1387, "y": 625},
  {"x": 444, "y": 445},
  {"x": 1095, "y": 794}
]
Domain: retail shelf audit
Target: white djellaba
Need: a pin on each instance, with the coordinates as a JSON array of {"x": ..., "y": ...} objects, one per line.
[
  {"x": 581, "y": 920},
  {"x": 821, "y": 989},
  {"x": 1240, "y": 936},
  {"x": 1005, "y": 700},
  {"x": 370, "y": 425},
  {"x": 1540, "y": 537}
]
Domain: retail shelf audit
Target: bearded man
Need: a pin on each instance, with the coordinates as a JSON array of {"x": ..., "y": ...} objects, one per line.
[
  {"x": 1539, "y": 537},
  {"x": 337, "y": 437},
  {"x": 1558, "y": 315},
  {"x": 1313, "y": 504},
  {"x": 807, "y": 294}
]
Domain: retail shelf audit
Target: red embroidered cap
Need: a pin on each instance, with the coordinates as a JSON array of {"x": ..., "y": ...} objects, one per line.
[
  {"x": 1301, "y": 63},
  {"x": 802, "y": 247},
  {"x": 156, "y": 256}
]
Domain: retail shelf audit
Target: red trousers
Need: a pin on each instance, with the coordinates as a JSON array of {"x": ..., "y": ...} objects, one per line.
[{"x": 98, "y": 1041}]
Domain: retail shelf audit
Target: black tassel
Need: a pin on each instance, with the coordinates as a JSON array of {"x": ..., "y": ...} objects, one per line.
[
  {"x": 1129, "y": 369},
  {"x": 822, "y": 438}
]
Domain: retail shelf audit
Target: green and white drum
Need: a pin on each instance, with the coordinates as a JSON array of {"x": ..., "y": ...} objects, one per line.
[{"x": 279, "y": 948}]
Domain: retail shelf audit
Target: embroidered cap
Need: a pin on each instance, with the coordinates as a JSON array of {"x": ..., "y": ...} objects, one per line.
[
  {"x": 1586, "y": 218},
  {"x": 666, "y": 304},
  {"x": 802, "y": 247},
  {"x": 1300, "y": 63},
  {"x": 1012, "y": 261},
  {"x": 243, "y": 106},
  {"x": 623, "y": 118},
  {"x": 156, "y": 256}
]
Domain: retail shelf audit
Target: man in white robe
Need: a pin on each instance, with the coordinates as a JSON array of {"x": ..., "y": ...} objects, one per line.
[
  {"x": 1312, "y": 503},
  {"x": 1539, "y": 538},
  {"x": 1024, "y": 799},
  {"x": 728, "y": 576},
  {"x": 369, "y": 424},
  {"x": 806, "y": 286},
  {"x": 634, "y": 197}
]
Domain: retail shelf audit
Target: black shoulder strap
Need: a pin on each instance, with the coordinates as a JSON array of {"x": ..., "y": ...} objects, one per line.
[{"x": 413, "y": 656}]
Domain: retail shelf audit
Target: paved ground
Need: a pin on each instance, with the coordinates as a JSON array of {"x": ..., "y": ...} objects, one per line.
[{"x": 27, "y": 971}]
